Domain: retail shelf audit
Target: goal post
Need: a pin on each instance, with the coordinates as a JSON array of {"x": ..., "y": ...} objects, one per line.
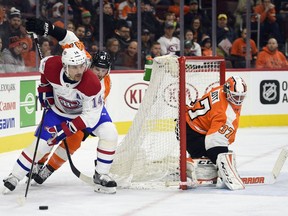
[{"x": 150, "y": 155}]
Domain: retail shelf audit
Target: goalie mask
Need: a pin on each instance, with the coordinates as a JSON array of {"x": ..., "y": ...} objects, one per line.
[
  {"x": 101, "y": 64},
  {"x": 74, "y": 59},
  {"x": 235, "y": 89}
]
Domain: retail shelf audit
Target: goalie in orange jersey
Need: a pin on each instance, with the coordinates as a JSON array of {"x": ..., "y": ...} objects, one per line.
[
  {"x": 212, "y": 123},
  {"x": 107, "y": 133}
]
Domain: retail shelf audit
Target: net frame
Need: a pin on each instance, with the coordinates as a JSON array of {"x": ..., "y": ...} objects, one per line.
[
  {"x": 175, "y": 67},
  {"x": 182, "y": 107}
]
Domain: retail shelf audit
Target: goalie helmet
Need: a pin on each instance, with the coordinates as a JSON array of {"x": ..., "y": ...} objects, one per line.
[
  {"x": 235, "y": 89},
  {"x": 101, "y": 59}
]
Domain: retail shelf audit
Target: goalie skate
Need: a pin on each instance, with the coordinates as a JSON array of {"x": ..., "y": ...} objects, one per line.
[{"x": 104, "y": 183}]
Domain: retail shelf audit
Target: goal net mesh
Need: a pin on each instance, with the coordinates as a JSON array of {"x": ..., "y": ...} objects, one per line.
[{"x": 149, "y": 155}]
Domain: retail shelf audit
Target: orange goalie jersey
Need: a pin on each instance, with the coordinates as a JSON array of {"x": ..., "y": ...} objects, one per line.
[{"x": 215, "y": 117}]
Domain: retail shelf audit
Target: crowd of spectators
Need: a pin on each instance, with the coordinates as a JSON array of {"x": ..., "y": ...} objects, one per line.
[{"x": 160, "y": 33}]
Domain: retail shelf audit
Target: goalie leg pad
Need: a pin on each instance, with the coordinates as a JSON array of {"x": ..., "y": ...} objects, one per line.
[
  {"x": 227, "y": 172},
  {"x": 206, "y": 170},
  {"x": 191, "y": 171},
  {"x": 201, "y": 171}
]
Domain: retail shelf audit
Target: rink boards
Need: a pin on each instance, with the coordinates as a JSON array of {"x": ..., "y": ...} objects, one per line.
[{"x": 266, "y": 103}]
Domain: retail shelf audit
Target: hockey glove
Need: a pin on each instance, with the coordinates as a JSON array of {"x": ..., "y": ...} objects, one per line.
[
  {"x": 45, "y": 95},
  {"x": 38, "y": 26},
  {"x": 60, "y": 132}
]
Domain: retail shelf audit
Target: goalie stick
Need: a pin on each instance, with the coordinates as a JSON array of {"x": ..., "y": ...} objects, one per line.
[{"x": 249, "y": 180}]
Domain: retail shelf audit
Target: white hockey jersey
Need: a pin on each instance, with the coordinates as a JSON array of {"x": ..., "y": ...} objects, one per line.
[
  {"x": 169, "y": 46},
  {"x": 82, "y": 101}
]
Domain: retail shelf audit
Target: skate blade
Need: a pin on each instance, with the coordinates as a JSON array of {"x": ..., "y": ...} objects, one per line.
[
  {"x": 105, "y": 190},
  {"x": 5, "y": 191}
]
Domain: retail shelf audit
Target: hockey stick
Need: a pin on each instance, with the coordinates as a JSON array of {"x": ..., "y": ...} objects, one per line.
[
  {"x": 75, "y": 171},
  {"x": 34, "y": 156},
  {"x": 248, "y": 180},
  {"x": 272, "y": 177},
  {"x": 35, "y": 38}
]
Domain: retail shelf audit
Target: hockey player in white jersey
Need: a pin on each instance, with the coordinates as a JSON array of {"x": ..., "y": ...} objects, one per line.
[
  {"x": 78, "y": 104},
  {"x": 106, "y": 131}
]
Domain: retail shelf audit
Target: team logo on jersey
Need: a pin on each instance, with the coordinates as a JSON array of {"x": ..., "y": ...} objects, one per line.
[
  {"x": 69, "y": 104},
  {"x": 269, "y": 92},
  {"x": 215, "y": 96}
]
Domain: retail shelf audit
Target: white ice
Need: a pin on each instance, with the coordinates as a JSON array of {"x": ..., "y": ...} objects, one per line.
[{"x": 64, "y": 194}]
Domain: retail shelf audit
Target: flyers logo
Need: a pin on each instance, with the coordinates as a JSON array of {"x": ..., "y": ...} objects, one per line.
[{"x": 77, "y": 44}]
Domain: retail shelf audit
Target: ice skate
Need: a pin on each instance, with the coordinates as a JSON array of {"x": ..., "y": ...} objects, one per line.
[
  {"x": 43, "y": 174},
  {"x": 36, "y": 168},
  {"x": 10, "y": 183},
  {"x": 104, "y": 183}
]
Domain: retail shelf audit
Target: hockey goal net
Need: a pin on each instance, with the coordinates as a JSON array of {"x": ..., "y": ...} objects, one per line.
[{"x": 150, "y": 155}]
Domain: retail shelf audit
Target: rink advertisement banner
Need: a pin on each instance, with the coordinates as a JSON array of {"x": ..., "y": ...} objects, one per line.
[
  {"x": 267, "y": 92},
  {"x": 18, "y": 105},
  {"x": 27, "y": 103},
  {"x": 266, "y": 103},
  {"x": 126, "y": 96},
  {"x": 9, "y": 92}
]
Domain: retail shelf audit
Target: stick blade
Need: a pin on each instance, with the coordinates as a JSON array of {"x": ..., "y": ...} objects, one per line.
[{"x": 279, "y": 163}]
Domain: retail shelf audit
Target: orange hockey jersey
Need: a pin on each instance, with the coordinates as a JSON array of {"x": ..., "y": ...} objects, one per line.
[{"x": 215, "y": 117}]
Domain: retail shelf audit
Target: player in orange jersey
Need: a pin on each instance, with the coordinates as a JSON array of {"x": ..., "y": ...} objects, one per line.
[
  {"x": 212, "y": 123},
  {"x": 100, "y": 66}
]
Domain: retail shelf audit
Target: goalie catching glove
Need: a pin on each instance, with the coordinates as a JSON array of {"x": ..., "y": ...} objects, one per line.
[
  {"x": 45, "y": 96},
  {"x": 39, "y": 26},
  {"x": 60, "y": 132}
]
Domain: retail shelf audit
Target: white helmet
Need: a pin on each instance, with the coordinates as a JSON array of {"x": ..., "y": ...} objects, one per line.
[
  {"x": 236, "y": 90},
  {"x": 73, "y": 56}
]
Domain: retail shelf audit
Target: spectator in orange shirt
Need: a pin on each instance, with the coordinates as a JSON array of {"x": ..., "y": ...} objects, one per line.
[
  {"x": 29, "y": 54},
  {"x": 238, "y": 50},
  {"x": 175, "y": 8},
  {"x": 271, "y": 57},
  {"x": 269, "y": 27},
  {"x": 207, "y": 47},
  {"x": 125, "y": 8}
]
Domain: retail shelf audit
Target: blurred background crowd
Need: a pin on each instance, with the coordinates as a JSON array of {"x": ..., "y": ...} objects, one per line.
[{"x": 111, "y": 25}]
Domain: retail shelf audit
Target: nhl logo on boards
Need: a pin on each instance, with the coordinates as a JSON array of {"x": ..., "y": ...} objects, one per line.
[{"x": 269, "y": 92}]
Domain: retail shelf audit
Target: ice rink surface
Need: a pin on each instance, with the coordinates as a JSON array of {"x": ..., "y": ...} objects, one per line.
[{"x": 256, "y": 149}]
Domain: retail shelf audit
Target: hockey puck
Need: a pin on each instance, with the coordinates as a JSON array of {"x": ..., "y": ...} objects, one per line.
[{"x": 43, "y": 207}]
